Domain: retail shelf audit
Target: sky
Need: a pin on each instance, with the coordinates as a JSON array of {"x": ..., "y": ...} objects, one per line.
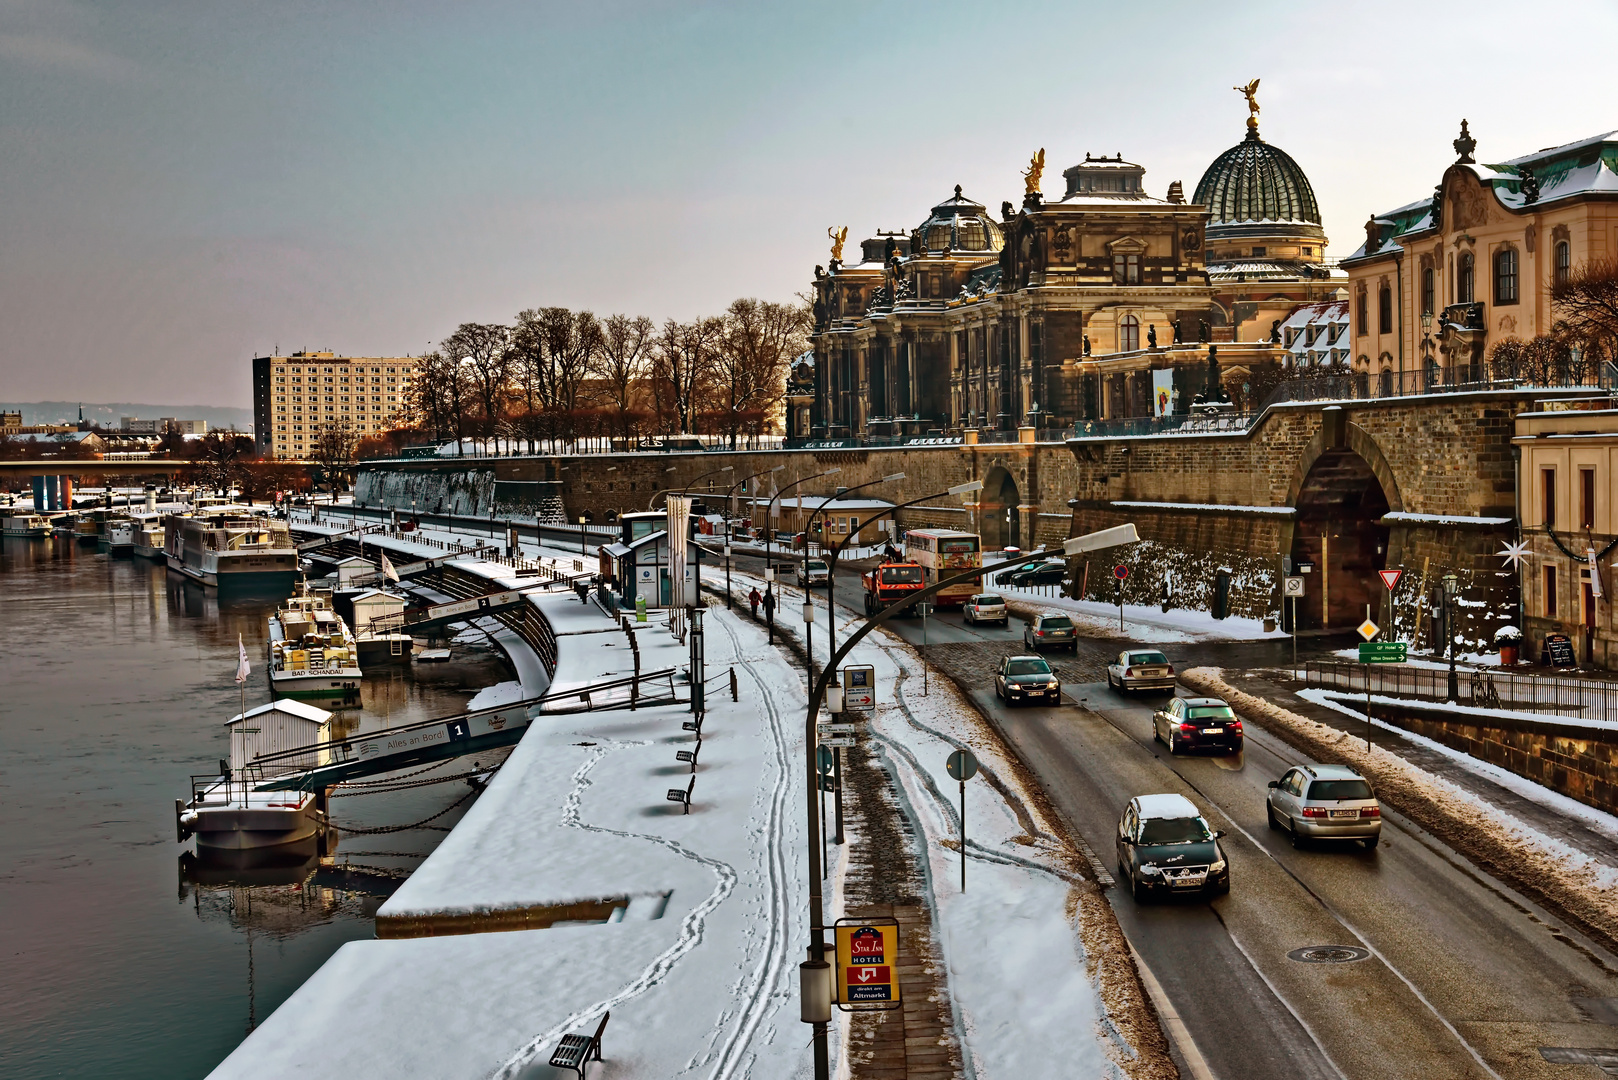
[{"x": 184, "y": 186}]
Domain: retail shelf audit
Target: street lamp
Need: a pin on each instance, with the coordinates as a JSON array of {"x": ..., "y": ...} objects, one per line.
[
  {"x": 831, "y": 599},
  {"x": 1451, "y": 588},
  {"x": 728, "y": 492},
  {"x": 814, "y": 975},
  {"x": 769, "y": 544}
]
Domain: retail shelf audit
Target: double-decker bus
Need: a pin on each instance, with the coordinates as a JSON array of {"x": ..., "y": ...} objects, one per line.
[{"x": 943, "y": 553}]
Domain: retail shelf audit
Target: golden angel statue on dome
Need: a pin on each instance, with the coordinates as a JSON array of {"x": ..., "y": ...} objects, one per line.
[
  {"x": 1250, "y": 92},
  {"x": 838, "y": 236},
  {"x": 1031, "y": 175}
]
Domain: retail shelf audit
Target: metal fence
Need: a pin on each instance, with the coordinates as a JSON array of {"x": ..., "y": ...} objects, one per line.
[{"x": 1588, "y": 699}]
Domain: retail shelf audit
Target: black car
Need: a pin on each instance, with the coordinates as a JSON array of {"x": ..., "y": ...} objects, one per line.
[
  {"x": 1165, "y": 846},
  {"x": 1051, "y": 573},
  {"x": 1004, "y": 577},
  {"x": 1026, "y": 678},
  {"x": 1199, "y": 723}
]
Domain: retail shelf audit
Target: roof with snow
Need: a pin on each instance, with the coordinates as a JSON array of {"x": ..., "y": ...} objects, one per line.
[{"x": 289, "y": 706}]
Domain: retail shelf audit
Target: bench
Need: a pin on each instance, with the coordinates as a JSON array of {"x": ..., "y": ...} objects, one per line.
[
  {"x": 689, "y": 755},
  {"x": 683, "y": 796},
  {"x": 575, "y": 1050}
]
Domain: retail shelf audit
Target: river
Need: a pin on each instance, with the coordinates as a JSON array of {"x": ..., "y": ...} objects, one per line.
[{"x": 121, "y": 956}]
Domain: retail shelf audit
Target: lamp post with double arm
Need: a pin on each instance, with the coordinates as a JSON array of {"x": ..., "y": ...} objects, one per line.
[
  {"x": 831, "y": 599},
  {"x": 769, "y": 546},
  {"x": 728, "y": 493}
]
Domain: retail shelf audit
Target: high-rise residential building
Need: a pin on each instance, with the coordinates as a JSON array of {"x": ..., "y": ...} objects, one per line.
[{"x": 295, "y": 397}]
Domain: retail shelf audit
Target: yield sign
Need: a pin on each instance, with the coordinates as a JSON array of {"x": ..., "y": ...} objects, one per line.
[{"x": 1390, "y": 578}]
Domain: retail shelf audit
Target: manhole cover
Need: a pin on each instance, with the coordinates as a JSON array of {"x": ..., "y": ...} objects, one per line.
[{"x": 1328, "y": 954}]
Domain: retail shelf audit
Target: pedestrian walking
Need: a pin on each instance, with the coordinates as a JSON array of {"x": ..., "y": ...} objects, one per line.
[
  {"x": 753, "y": 599},
  {"x": 769, "y": 611}
]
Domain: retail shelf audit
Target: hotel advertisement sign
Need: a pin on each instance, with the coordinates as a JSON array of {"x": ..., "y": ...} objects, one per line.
[{"x": 867, "y": 959}]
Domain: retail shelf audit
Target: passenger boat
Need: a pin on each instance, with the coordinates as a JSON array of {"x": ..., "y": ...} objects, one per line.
[
  {"x": 231, "y": 547},
  {"x": 149, "y": 535},
  {"x": 229, "y": 815},
  {"x": 312, "y": 653},
  {"x": 379, "y": 629},
  {"x": 18, "y": 523},
  {"x": 120, "y": 536}
]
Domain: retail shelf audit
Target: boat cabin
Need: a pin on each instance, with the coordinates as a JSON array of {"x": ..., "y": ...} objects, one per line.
[{"x": 270, "y": 729}]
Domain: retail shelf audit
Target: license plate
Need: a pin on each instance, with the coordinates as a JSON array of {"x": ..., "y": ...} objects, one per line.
[
  {"x": 1152, "y": 673},
  {"x": 1213, "y": 731},
  {"x": 1344, "y": 813},
  {"x": 1188, "y": 881}
]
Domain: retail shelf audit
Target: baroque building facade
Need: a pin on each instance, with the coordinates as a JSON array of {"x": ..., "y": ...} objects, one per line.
[{"x": 1063, "y": 311}]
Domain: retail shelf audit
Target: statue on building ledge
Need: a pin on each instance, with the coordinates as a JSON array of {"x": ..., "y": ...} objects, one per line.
[
  {"x": 1464, "y": 145},
  {"x": 1151, "y": 335},
  {"x": 1086, "y": 344},
  {"x": 1275, "y": 332},
  {"x": 1031, "y": 197}
]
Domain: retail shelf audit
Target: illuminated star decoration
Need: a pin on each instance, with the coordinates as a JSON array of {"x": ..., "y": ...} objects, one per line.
[{"x": 1514, "y": 554}]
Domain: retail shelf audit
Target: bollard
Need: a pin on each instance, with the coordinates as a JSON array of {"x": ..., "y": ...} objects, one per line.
[{"x": 734, "y": 695}]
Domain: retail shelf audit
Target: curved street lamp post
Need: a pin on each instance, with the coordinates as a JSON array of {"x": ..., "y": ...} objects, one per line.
[
  {"x": 769, "y": 547},
  {"x": 728, "y": 492}
]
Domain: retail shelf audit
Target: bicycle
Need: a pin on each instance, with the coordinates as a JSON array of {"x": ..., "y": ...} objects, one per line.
[{"x": 1484, "y": 693}]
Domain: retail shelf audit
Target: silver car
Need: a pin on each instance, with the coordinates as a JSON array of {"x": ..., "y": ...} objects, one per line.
[
  {"x": 1141, "y": 669},
  {"x": 812, "y": 572},
  {"x": 985, "y": 607},
  {"x": 1325, "y": 802},
  {"x": 1050, "y": 632}
]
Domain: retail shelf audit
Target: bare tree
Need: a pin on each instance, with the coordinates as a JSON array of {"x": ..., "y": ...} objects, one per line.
[
  {"x": 333, "y": 452},
  {"x": 433, "y": 400},
  {"x": 683, "y": 362},
  {"x": 485, "y": 350},
  {"x": 572, "y": 343},
  {"x": 759, "y": 342},
  {"x": 221, "y": 457},
  {"x": 1586, "y": 306},
  {"x": 626, "y": 347}
]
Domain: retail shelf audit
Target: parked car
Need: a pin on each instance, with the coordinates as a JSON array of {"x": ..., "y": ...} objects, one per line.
[
  {"x": 1050, "y": 632},
  {"x": 1004, "y": 577},
  {"x": 812, "y": 572},
  {"x": 1165, "y": 845},
  {"x": 1137, "y": 670},
  {"x": 1025, "y": 678},
  {"x": 1325, "y": 802},
  {"x": 1048, "y": 573},
  {"x": 1200, "y": 723},
  {"x": 985, "y": 607}
]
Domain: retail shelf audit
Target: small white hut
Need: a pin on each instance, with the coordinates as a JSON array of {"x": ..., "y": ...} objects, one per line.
[{"x": 281, "y": 725}]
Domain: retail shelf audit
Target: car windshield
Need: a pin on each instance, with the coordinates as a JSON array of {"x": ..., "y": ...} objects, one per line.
[
  {"x": 1183, "y": 830},
  {"x": 1028, "y": 667},
  {"x": 1147, "y": 658},
  {"x": 1060, "y": 622},
  {"x": 1339, "y": 789},
  {"x": 817, "y": 566},
  {"x": 901, "y": 575}
]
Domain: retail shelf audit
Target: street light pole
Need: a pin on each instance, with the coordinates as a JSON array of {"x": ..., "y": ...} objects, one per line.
[
  {"x": 1451, "y": 587},
  {"x": 831, "y": 582},
  {"x": 769, "y": 543},
  {"x": 728, "y": 493}
]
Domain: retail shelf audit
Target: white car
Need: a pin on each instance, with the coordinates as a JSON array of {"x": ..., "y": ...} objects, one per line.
[
  {"x": 1141, "y": 669},
  {"x": 985, "y": 607},
  {"x": 812, "y": 572}
]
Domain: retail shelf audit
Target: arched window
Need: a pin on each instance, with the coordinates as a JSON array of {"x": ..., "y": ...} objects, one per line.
[
  {"x": 1387, "y": 378},
  {"x": 1505, "y": 276},
  {"x": 1384, "y": 310},
  {"x": 1128, "y": 334},
  {"x": 1564, "y": 260},
  {"x": 1427, "y": 291},
  {"x": 1463, "y": 279}
]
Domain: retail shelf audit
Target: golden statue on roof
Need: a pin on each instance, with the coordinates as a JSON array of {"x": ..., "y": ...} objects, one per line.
[
  {"x": 1031, "y": 175},
  {"x": 837, "y": 237},
  {"x": 1250, "y": 92}
]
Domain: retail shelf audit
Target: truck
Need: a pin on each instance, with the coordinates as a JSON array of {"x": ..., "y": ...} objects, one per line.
[{"x": 889, "y": 583}]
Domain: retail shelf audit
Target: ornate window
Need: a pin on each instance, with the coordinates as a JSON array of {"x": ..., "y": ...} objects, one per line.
[
  {"x": 1505, "y": 276},
  {"x": 1384, "y": 310},
  {"x": 1563, "y": 260},
  {"x": 1463, "y": 279},
  {"x": 1427, "y": 291},
  {"x": 1387, "y": 382},
  {"x": 1126, "y": 268},
  {"x": 1128, "y": 333}
]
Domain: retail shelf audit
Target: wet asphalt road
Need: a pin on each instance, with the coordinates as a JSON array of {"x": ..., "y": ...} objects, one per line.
[{"x": 1466, "y": 978}]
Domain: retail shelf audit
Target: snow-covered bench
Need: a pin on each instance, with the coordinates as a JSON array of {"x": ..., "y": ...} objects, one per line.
[{"x": 575, "y": 1051}]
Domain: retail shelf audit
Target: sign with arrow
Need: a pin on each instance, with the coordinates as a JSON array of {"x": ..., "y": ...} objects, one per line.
[
  {"x": 1390, "y": 578},
  {"x": 867, "y": 954}
]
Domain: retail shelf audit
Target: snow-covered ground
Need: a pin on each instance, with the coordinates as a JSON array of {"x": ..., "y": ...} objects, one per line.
[{"x": 1173, "y": 626}]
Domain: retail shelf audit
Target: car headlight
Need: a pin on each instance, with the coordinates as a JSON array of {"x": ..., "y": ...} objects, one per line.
[
  {"x": 1050, "y": 686},
  {"x": 1217, "y": 866},
  {"x": 1150, "y": 871}
]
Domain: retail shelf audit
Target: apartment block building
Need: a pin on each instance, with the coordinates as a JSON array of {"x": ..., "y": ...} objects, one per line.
[{"x": 295, "y": 397}]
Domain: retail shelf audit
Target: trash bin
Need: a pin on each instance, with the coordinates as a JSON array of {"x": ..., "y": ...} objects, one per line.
[{"x": 1221, "y": 593}]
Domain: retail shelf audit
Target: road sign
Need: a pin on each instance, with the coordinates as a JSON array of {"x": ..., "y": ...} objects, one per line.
[
  {"x": 859, "y": 687},
  {"x": 834, "y": 729},
  {"x": 1383, "y": 652},
  {"x": 961, "y": 765},
  {"x": 823, "y": 758},
  {"x": 1292, "y": 586},
  {"x": 1369, "y": 629},
  {"x": 838, "y": 742},
  {"x": 1120, "y": 572},
  {"x": 867, "y": 954},
  {"x": 1390, "y": 578}
]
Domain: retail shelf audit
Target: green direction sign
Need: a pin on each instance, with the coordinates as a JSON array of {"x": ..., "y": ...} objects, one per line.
[{"x": 1382, "y": 652}]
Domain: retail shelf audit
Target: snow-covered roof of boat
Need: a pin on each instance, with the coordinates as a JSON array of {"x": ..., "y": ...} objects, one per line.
[
  {"x": 290, "y": 706},
  {"x": 357, "y": 597},
  {"x": 352, "y": 559}
]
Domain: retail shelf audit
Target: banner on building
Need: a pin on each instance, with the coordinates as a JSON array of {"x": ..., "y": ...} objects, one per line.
[{"x": 1162, "y": 392}]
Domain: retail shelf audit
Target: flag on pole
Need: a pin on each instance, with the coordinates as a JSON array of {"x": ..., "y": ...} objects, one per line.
[
  {"x": 243, "y": 668},
  {"x": 775, "y": 505},
  {"x": 387, "y": 569}
]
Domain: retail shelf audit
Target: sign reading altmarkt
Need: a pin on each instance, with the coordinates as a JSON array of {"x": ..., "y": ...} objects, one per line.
[{"x": 867, "y": 962}]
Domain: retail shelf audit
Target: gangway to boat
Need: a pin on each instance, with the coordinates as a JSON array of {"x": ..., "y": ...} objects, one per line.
[
  {"x": 371, "y": 753},
  {"x": 324, "y": 541}
]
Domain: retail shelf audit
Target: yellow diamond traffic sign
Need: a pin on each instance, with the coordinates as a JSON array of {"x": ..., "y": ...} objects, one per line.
[{"x": 1369, "y": 629}]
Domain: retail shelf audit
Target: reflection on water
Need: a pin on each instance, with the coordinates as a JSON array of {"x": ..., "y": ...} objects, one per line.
[{"x": 116, "y": 679}]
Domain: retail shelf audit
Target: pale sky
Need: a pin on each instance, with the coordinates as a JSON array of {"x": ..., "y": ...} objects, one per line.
[{"x": 186, "y": 185}]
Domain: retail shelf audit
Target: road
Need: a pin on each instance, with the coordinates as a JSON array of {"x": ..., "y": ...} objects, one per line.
[{"x": 1465, "y": 977}]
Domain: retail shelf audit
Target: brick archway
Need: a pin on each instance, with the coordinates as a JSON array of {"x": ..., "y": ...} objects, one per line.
[{"x": 999, "y": 509}]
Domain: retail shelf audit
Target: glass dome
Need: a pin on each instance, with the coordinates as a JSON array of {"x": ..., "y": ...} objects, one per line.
[
  {"x": 1255, "y": 182},
  {"x": 959, "y": 224}
]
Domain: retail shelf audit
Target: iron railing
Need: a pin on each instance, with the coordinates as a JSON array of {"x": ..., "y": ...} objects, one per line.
[{"x": 1587, "y": 699}]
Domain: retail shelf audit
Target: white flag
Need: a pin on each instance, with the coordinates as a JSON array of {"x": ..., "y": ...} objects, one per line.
[
  {"x": 1595, "y": 573},
  {"x": 387, "y": 569},
  {"x": 775, "y": 504},
  {"x": 243, "y": 668}
]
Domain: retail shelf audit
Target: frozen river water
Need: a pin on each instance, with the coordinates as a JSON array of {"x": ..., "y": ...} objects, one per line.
[{"x": 121, "y": 956}]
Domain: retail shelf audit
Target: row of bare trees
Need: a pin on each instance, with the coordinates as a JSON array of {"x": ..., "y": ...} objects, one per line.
[{"x": 556, "y": 375}]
